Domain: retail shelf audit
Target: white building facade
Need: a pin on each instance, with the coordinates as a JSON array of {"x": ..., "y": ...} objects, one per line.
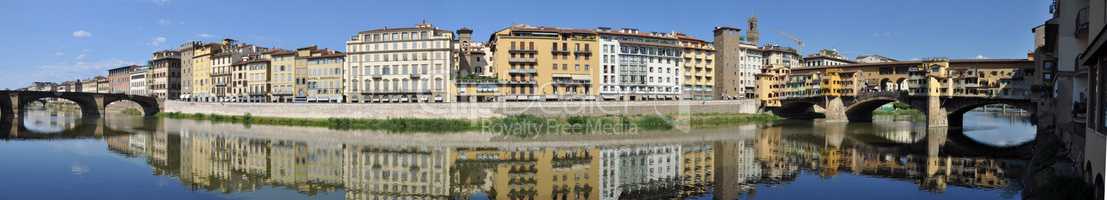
[
  {"x": 400, "y": 65},
  {"x": 639, "y": 66},
  {"x": 750, "y": 62},
  {"x": 138, "y": 82}
]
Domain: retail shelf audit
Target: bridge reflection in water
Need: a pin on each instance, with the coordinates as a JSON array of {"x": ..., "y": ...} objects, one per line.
[{"x": 723, "y": 163}]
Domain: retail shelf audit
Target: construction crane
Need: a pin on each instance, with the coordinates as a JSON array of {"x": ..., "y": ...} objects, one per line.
[{"x": 793, "y": 38}]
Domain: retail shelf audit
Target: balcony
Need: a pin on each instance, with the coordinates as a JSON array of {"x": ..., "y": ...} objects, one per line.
[
  {"x": 415, "y": 75},
  {"x": 571, "y": 82},
  {"x": 523, "y": 71},
  {"x": 522, "y": 60},
  {"x": 556, "y": 51},
  {"x": 515, "y": 50},
  {"x": 521, "y": 82}
]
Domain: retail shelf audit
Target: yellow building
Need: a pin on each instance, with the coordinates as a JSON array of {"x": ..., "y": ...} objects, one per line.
[
  {"x": 201, "y": 71},
  {"x": 324, "y": 73},
  {"x": 545, "y": 63},
  {"x": 770, "y": 83},
  {"x": 699, "y": 68},
  {"x": 283, "y": 77},
  {"x": 250, "y": 80}
]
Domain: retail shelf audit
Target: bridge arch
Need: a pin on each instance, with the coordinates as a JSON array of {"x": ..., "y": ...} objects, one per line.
[
  {"x": 957, "y": 109},
  {"x": 797, "y": 110},
  {"x": 862, "y": 111},
  {"x": 885, "y": 84},
  {"x": 149, "y": 107},
  {"x": 87, "y": 105}
]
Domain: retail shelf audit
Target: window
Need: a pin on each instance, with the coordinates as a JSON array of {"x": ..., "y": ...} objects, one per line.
[
  {"x": 1101, "y": 93},
  {"x": 439, "y": 84}
]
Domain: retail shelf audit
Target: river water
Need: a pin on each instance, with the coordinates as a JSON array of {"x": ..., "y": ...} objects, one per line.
[{"x": 56, "y": 155}]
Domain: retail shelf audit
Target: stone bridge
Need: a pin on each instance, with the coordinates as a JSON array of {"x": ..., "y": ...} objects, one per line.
[
  {"x": 942, "y": 89},
  {"x": 940, "y": 111},
  {"x": 92, "y": 104}
]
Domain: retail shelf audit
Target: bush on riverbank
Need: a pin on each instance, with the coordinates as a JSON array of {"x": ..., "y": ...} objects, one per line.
[
  {"x": 514, "y": 125},
  {"x": 721, "y": 119},
  {"x": 132, "y": 112}
]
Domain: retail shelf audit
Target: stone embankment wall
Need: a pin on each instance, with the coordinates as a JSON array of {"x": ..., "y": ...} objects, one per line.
[{"x": 461, "y": 110}]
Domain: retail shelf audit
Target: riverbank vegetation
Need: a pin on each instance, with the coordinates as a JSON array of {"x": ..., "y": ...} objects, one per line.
[
  {"x": 131, "y": 111},
  {"x": 900, "y": 111},
  {"x": 514, "y": 125}
]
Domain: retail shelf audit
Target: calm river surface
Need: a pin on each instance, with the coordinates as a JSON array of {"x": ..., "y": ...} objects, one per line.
[{"x": 55, "y": 155}]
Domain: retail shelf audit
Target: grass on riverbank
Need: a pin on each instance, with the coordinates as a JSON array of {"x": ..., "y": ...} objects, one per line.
[
  {"x": 721, "y": 119},
  {"x": 132, "y": 112},
  {"x": 392, "y": 125},
  {"x": 515, "y": 125}
]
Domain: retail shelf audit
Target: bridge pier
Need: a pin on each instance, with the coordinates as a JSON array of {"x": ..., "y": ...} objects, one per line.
[
  {"x": 956, "y": 120},
  {"x": 15, "y": 123},
  {"x": 836, "y": 110},
  {"x": 100, "y": 105},
  {"x": 9, "y": 105},
  {"x": 936, "y": 114}
]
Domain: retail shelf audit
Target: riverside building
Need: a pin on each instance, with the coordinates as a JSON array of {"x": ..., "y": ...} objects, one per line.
[
  {"x": 186, "y": 54},
  {"x": 138, "y": 81},
  {"x": 737, "y": 63},
  {"x": 211, "y": 68},
  {"x": 545, "y": 63},
  {"x": 324, "y": 73},
  {"x": 639, "y": 65},
  {"x": 411, "y": 64},
  {"x": 826, "y": 57},
  {"x": 164, "y": 81},
  {"x": 224, "y": 75},
  {"x": 250, "y": 82},
  {"x": 119, "y": 79},
  {"x": 285, "y": 77},
  {"x": 698, "y": 68},
  {"x": 475, "y": 79}
]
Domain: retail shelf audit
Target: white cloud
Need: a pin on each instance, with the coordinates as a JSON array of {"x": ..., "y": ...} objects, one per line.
[
  {"x": 164, "y": 22},
  {"x": 204, "y": 35},
  {"x": 161, "y": 2},
  {"x": 59, "y": 53},
  {"x": 883, "y": 34},
  {"x": 157, "y": 41},
  {"x": 81, "y": 56},
  {"x": 81, "y": 34},
  {"x": 981, "y": 56}
]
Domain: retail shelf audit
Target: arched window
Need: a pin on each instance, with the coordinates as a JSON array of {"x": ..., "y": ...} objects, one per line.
[
  {"x": 386, "y": 88},
  {"x": 423, "y": 85},
  {"x": 439, "y": 84},
  {"x": 406, "y": 88}
]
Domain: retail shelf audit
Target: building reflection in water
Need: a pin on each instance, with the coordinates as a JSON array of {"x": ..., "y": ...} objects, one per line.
[{"x": 219, "y": 161}]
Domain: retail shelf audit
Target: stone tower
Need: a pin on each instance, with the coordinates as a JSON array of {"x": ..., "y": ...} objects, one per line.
[{"x": 752, "y": 35}]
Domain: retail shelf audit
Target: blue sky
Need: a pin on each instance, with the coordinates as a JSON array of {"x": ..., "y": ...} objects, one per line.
[{"x": 55, "y": 40}]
